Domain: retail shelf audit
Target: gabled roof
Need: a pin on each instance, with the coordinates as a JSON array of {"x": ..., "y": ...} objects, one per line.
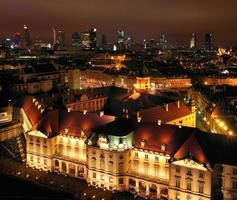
[
  {"x": 191, "y": 148},
  {"x": 157, "y": 135},
  {"x": 31, "y": 109}
]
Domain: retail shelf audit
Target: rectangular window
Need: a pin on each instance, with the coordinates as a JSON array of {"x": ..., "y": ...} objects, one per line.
[
  {"x": 102, "y": 177},
  {"x": 189, "y": 185},
  {"x": 235, "y": 171},
  {"x": 234, "y": 185},
  {"x": 45, "y": 162},
  {"x": 201, "y": 175},
  {"x": 94, "y": 175},
  {"x": 120, "y": 181},
  {"x": 201, "y": 188},
  {"x": 177, "y": 170},
  {"x": 156, "y": 159},
  {"x": 177, "y": 182},
  {"x": 146, "y": 156},
  {"x": 136, "y": 155},
  {"x": 189, "y": 172},
  {"x": 111, "y": 180}
]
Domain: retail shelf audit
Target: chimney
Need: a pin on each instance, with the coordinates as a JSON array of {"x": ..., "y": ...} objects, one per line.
[
  {"x": 167, "y": 107},
  {"x": 178, "y": 104}
]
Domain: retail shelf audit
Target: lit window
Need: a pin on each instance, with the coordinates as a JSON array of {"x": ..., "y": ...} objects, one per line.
[
  {"x": 189, "y": 185},
  {"x": 136, "y": 154},
  {"x": 146, "y": 156},
  {"x": 94, "y": 175},
  {"x": 200, "y": 187},
  {"x": 201, "y": 175},
  {"x": 111, "y": 180},
  {"x": 189, "y": 172},
  {"x": 102, "y": 177},
  {"x": 177, "y": 182}
]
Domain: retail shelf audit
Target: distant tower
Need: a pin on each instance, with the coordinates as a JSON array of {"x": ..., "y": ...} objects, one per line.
[
  {"x": 60, "y": 38},
  {"x": 208, "y": 40},
  {"x": 163, "y": 41},
  {"x": 76, "y": 39},
  {"x": 120, "y": 39},
  {"x": 193, "y": 41},
  {"x": 17, "y": 38},
  {"x": 143, "y": 80},
  {"x": 54, "y": 36},
  {"x": 74, "y": 79},
  {"x": 104, "y": 42},
  {"x": 93, "y": 37},
  {"x": 85, "y": 40},
  {"x": 26, "y": 42}
]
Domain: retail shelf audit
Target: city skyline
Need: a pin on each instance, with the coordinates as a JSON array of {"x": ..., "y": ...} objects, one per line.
[{"x": 143, "y": 21}]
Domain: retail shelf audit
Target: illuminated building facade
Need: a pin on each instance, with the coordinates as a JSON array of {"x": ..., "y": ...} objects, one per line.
[
  {"x": 74, "y": 79},
  {"x": 193, "y": 41},
  {"x": 148, "y": 159}
]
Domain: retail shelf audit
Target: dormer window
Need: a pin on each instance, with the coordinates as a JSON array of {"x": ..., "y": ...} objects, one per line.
[
  {"x": 143, "y": 142},
  {"x": 163, "y": 147},
  {"x": 159, "y": 122}
]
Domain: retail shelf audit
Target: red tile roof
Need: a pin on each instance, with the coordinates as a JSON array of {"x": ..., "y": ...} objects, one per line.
[
  {"x": 31, "y": 109},
  {"x": 155, "y": 136},
  {"x": 191, "y": 147},
  {"x": 159, "y": 112},
  {"x": 58, "y": 121}
]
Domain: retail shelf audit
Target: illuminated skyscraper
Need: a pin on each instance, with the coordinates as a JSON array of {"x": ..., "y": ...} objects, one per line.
[
  {"x": 193, "y": 41},
  {"x": 76, "y": 39},
  {"x": 26, "y": 42},
  {"x": 207, "y": 40},
  {"x": 120, "y": 39},
  {"x": 88, "y": 39},
  {"x": 85, "y": 40},
  {"x": 60, "y": 38}
]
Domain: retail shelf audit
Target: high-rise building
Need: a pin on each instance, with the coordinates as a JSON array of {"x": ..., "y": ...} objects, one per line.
[
  {"x": 163, "y": 40},
  {"x": 74, "y": 79},
  {"x": 88, "y": 39},
  {"x": 207, "y": 40},
  {"x": 193, "y": 41},
  {"x": 120, "y": 39},
  {"x": 85, "y": 40},
  {"x": 60, "y": 38},
  {"x": 93, "y": 38},
  {"x": 17, "y": 38},
  {"x": 104, "y": 42},
  {"x": 76, "y": 39},
  {"x": 26, "y": 42}
]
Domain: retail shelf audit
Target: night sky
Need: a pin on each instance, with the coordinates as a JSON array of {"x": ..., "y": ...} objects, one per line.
[{"x": 138, "y": 18}]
